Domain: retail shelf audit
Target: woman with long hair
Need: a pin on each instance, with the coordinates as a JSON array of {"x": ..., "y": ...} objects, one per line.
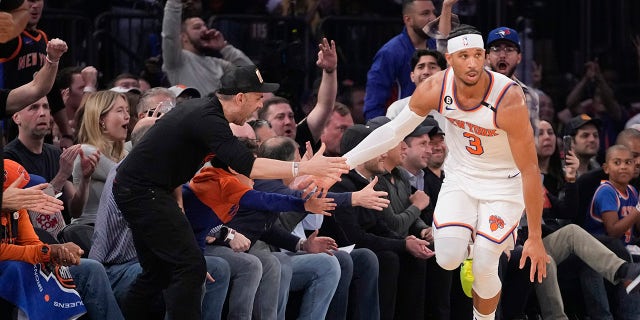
[{"x": 103, "y": 130}]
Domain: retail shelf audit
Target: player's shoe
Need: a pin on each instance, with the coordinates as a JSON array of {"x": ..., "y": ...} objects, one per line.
[{"x": 466, "y": 276}]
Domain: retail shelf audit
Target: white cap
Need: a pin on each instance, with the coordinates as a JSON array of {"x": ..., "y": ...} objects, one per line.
[
  {"x": 180, "y": 89},
  {"x": 125, "y": 90}
]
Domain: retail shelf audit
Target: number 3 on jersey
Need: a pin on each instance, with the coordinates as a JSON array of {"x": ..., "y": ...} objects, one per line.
[{"x": 475, "y": 144}]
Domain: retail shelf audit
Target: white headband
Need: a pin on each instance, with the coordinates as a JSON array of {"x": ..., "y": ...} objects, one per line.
[{"x": 465, "y": 41}]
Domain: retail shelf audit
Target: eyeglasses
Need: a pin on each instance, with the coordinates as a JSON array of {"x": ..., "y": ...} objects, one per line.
[
  {"x": 505, "y": 49},
  {"x": 259, "y": 123}
]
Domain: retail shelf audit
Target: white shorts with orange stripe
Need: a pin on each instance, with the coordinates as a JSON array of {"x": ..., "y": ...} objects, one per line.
[{"x": 488, "y": 223}]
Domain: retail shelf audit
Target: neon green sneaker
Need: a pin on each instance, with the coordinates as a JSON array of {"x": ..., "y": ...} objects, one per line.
[{"x": 466, "y": 276}]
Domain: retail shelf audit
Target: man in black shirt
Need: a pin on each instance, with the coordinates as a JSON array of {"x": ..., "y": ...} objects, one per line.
[
  {"x": 12, "y": 101},
  {"x": 366, "y": 228},
  {"x": 168, "y": 156}
]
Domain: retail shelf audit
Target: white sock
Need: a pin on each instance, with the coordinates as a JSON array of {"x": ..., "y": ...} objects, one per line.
[{"x": 478, "y": 316}]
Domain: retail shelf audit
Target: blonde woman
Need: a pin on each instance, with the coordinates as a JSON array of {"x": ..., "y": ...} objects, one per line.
[{"x": 103, "y": 130}]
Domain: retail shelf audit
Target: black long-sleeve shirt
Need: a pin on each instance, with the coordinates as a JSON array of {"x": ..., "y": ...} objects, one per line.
[{"x": 360, "y": 226}]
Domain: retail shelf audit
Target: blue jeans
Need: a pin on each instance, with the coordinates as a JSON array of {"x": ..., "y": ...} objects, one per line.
[
  {"x": 245, "y": 272},
  {"x": 357, "y": 289},
  {"x": 123, "y": 275},
  {"x": 317, "y": 274},
  {"x": 215, "y": 292},
  {"x": 267, "y": 300},
  {"x": 93, "y": 285}
]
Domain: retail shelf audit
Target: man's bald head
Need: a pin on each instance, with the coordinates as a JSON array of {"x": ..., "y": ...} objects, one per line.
[
  {"x": 142, "y": 126},
  {"x": 243, "y": 131}
]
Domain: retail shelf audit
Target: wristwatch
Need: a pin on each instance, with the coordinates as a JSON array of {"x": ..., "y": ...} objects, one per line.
[
  {"x": 45, "y": 253},
  {"x": 227, "y": 234}
]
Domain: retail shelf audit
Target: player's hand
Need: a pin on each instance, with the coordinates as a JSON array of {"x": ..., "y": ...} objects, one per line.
[
  {"x": 534, "y": 250},
  {"x": 370, "y": 198},
  {"x": 55, "y": 49}
]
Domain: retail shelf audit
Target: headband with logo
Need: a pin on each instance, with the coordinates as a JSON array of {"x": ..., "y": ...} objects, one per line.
[{"x": 465, "y": 41}]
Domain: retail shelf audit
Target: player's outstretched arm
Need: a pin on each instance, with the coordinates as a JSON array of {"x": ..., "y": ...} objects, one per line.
[{"x": 424, "y": 99}]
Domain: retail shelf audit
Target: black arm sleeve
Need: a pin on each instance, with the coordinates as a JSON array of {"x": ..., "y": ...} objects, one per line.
[
  {"x": 277, "y": 236},
  {"x": 347, "y": 219}
]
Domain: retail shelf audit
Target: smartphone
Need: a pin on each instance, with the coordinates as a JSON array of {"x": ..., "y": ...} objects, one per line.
[{"x": 566, "y": 146}]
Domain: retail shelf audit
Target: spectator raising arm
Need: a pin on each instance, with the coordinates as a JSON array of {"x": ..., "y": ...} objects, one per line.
[{"x": 42, "y": 82}]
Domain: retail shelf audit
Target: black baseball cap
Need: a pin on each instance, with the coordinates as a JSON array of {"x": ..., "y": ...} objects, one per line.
[
  {"x": 378, "y": 121},
  {"x": 578, "y": 122},
  {"x": 353, "y": 136},
  {"x": 431, "y": 122},
  {"x": 245, "y": 79}
]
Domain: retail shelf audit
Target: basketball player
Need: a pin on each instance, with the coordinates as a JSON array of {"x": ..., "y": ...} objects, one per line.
[{"x": 492, "y": 168}]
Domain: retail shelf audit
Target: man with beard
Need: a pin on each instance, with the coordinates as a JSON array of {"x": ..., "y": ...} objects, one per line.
[
  {"x": 388, "y": 78},
  {"x": 185, "y": 47},
  {"x": 503, "y": 55},
  {"x": 43, "y": 159},
  {"x": 585, "y": 133}
]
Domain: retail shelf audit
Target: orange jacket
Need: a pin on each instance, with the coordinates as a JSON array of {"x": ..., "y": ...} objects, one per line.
[{"x": 18, "y": 240}]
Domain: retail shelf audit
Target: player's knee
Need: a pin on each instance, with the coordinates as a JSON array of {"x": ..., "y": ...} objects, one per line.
[
  {"x": 450, "y": 252},
  {"x": 486, "y": 281}
]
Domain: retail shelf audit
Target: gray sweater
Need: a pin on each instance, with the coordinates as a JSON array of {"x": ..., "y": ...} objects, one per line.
[{"x": 190, "y": 69}]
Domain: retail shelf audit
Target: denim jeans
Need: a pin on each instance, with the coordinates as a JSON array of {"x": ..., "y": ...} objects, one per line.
[
  {"x": 357, "y": 292},
  {"x": 123, "y": 275},
  {"x": 215, "y": 292},
  {"x": 93, "y": 286},
  {"x": 171, "y": 260},
  {"x": 245, "y": 274},
  {"x": 267, "y": 300},
  {"x": 317, "y": 274}
]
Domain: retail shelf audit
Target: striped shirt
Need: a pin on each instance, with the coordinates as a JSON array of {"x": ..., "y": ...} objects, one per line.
[{"x": 112, "y": 239}]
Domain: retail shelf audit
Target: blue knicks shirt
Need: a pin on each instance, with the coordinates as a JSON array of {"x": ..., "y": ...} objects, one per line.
[{"x": 608, "y": 198}]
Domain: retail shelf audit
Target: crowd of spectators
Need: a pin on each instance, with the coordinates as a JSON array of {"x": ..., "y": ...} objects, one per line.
[{"x": 276, "y": 248}]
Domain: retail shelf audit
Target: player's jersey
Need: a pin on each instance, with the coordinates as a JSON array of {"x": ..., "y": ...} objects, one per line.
[
  {"x": 21, "y": 58},
  {"x": 478, "y": 149}
]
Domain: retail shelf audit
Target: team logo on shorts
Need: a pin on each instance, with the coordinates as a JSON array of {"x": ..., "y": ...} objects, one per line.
[{"x": 495, "y": 223}]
